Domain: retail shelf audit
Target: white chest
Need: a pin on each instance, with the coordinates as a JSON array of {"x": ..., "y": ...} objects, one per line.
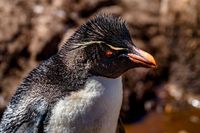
[{"x": 94, "y": 109}]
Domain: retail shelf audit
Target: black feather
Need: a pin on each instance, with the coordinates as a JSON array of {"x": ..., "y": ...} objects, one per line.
[{"x": 105, "y": 28}]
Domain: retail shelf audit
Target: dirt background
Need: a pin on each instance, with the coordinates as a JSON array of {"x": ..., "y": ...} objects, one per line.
[{"x": 33, "y": 30}]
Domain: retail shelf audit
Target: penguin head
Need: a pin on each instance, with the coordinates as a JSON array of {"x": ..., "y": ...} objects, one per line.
[{"x": 107, "y": 46}]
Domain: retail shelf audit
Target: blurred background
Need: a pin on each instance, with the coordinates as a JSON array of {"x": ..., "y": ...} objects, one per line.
[{"x": 166, "y": 100}]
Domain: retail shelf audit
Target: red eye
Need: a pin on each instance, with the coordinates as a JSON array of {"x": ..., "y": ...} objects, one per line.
[{"x": 109, "y": 53}]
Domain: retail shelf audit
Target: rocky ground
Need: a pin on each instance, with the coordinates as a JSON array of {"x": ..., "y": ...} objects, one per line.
[{"x": 32, "y": 31}]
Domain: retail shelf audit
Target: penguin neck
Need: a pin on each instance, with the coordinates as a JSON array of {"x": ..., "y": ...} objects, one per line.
[
  {"x": 76, "y": 68},
  {"x": 74, "y": 59}
]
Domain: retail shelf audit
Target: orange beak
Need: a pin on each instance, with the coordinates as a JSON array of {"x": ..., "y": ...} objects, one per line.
[{"x": 143, "y": 58}]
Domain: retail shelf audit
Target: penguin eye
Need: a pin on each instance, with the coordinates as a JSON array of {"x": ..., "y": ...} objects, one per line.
[{"x": 109, "y": 53}]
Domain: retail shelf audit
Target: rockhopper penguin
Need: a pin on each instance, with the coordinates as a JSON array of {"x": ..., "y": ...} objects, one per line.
[{"x": 78, "y": 90}]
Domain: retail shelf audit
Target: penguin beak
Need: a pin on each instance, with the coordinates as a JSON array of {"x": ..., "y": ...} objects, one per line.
[{"x": 142, "y": 58}]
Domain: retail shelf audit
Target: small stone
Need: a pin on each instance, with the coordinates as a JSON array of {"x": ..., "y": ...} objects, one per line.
[
  {"x": 194, "y": 119},
  {"x": 182, "y": 131},
  {"x": 38, "y": 9}
]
